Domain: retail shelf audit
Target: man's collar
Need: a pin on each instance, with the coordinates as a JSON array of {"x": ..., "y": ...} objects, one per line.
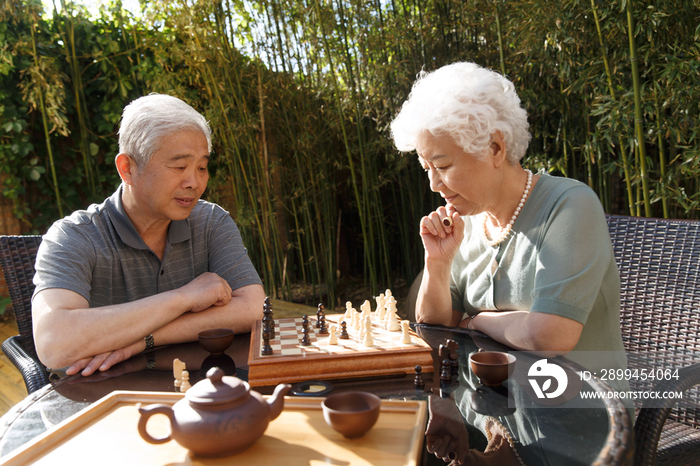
[{"x": 178, "y": 231}]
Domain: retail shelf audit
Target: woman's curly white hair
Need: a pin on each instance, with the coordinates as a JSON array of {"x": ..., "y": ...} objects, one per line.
[{"x": 468, "y": 103}]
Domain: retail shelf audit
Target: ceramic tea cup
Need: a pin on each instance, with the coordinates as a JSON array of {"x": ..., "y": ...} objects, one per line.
[
  {"x": 216, "y": 340},
  {"x": 492, "y": 367},
  {"x": 351, "y": 414}
]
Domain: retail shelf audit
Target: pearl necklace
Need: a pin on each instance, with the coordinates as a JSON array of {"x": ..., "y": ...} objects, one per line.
[{"x": 506, "y": 231}]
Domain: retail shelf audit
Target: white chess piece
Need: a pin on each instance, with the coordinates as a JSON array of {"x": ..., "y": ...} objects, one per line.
[
  {"x": 405, "y": 336},
  {"x": 366, "y": 308},
  {"x": 380, "y": 306},
  {"x": 392, "y": 323},
  {"x": 185, "y": 381},
  {"x": 388, "y": 300},
  {"x": 333, "y": 339},
  {"x": 348, "y": 310},
  {"x": 356, "y": 320},
  {"x": 178, "y": 367},
  {"x": 388, "y": 303},
  {"x": 368, "y": 340}
]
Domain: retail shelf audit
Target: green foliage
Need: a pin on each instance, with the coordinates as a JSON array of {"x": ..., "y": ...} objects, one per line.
[
  {"x": 4, "y": 303},
  {"x": 300, "y": 95}
]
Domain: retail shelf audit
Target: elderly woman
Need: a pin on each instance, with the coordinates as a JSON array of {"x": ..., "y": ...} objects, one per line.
[{"x": 524, "y": 258}]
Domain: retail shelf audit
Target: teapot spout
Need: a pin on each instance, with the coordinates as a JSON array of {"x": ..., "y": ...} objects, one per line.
[{"x": 276, "y": 401}]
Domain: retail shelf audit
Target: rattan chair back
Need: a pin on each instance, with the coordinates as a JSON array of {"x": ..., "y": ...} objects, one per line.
[
  {"x": 659, "y": 263},
  {"x": 17, "y": 257}
]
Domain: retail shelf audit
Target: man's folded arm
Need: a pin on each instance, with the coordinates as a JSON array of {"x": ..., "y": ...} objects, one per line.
[{"x": 67, "y": 330}]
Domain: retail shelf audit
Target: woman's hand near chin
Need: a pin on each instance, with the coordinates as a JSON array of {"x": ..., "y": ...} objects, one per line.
[{"x": 442, "y": 232}]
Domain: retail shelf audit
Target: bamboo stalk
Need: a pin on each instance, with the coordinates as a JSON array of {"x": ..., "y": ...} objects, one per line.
[
  {"x": 57, "y": 193},
  {"x": 662, "y": 153},
  {"x": 638, "y": 118},
  {"x": 78, "y": 94},
  {"x": 353, "y": 176},
  {"x": 611, "y": 88},
  {"x": 500, "y": 39}
]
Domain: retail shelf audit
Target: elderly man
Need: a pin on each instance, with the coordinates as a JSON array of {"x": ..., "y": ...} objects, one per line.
[{"x": 153, "y": 264}]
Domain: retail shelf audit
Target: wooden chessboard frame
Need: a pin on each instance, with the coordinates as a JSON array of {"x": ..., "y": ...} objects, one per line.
[{"x": 276, "y": 368}]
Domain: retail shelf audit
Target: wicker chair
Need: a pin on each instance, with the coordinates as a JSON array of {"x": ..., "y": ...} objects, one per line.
[
  {"x": 17, "y": 255},
  {"x": 659, "y": 262}
]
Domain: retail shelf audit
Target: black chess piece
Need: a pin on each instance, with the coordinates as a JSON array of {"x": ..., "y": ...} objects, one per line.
[
  {"x": 454, "y": 363},
  {"x": 418, "y": 381},
  {"x": 444, "y": 352},
  {"x": 445, "y": 372},
  {"x": 322, "y": 329},
  {"x": 452, "y": 345},
  {"x": 266, "y": 349},
  {"x": 305, "y": 340},
  {"x": 320, "y": 313},
  {"x": 344, "y": 331},
  {"x": 268, "y": 317}
]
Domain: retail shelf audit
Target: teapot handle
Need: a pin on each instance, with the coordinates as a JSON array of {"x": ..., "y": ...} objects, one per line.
[{"x": 149, "y": 411}]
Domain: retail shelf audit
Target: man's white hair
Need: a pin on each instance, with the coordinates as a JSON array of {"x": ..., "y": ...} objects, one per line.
[{"x": 148, "y": 120}]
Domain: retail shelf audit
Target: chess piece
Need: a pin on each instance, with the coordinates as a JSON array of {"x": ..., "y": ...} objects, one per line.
[
  {"x": 392, "y": 322},
  {"x": 344, "y": 331},
  {"x": 333, "y": 339},
  {"x": 368, "y": 340},
  {"x": 445, "y": 372},
  {"x": 405, "y": 336},
  {"x": 320, "y": 313},
  {"x": 322, "y": 329},
  {"x": 366, "y": 308},
  {"x": 348, "y": 310},
  {"x": 267, "y": 320},
  {"x": 272, "y": 321},
  {"x": 452, "y": 344},
  {"x": 362, "y": 329},
  {"x": 418, "y": 381},
  {"x": 185, "y": 381},
  {"x": 388, "y": 299},
  {"x": 178, "y": 367},
  {"x": 444, "y": 352},
  {"x": 266, "y": 348},
  {"x": 380, "y": 306},
  {"x": 305, "y": 341},
  {"x": 356, "y": 317}
]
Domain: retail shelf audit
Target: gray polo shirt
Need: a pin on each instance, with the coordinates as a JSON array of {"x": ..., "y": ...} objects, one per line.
[{"x": 99, "y": 254}]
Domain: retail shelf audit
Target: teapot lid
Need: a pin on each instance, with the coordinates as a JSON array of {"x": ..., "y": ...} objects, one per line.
[{"x": 216, "y": 388}]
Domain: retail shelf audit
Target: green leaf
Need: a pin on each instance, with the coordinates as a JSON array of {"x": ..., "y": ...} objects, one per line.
[
  {"x": 4, "y": 302},
  {"x": 9, "y": 126},
  {"x": 34, "y": 175},
  {"x": 94, "y": 149}
]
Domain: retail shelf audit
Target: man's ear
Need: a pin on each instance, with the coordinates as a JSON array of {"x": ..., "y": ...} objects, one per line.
[
  {"x": 498, "y": 148},
  {"x": 126, "y": 166}
]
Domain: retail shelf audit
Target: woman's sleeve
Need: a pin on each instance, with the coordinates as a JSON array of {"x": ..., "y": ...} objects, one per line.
[{"x": 574, "y": 255}]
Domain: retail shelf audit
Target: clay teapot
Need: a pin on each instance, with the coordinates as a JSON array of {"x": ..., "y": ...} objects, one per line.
[{"x": 219, "y": 415}]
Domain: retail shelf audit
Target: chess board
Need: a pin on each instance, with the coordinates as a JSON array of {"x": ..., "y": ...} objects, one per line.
[{"x": 291, "y": 362}]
